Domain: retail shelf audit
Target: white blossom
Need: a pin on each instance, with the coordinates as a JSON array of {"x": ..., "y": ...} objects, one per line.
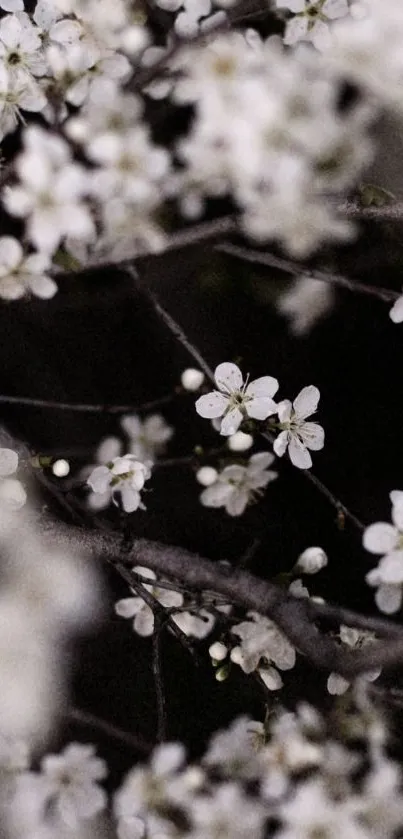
[
  {"x": 50, "y": 192},
  {"x": 311, "y": 20},
  {"x": 21, "y": 273},
  {"x": 12, "y": 493},
  {"x": 236, "y": 486},
  {"x": 354, "y": 639},
  {"x": 18, "y": 92},
  {"x": 123, "y": 478},
  {"x": 262, "y": 644},
  {"x": 72, "y": 778},
  {"x": 305, "y": 303},
  {"x": 235, "y": 399},
  {"x": 135, "y": 607},
  {"x": 387, "y": 539},
  {"x": 296, "y": 434},
  {"x": 147, "y": 437}
]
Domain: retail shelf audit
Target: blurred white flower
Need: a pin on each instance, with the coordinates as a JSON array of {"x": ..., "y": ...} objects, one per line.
[
  {"x": 354, "y": 639},
  {"x": 387, "y": 539},
  {"x": 72, "y": 778},
  {"x": 21, "y": 274},
  {"x": 147, "y": 437},
  {"x": 305, "y": 303},
  {"x": 236, "y": 486},
  {"x": 262, "y": 646}
]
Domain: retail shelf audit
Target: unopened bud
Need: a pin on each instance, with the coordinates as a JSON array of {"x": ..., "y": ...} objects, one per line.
[
  {"x": 192, "y": 379},
  {"x": 311, "y": 561},
  {"x": 218, "y": 651}
]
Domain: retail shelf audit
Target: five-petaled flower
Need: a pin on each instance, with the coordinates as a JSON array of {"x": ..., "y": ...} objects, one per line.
[
  {"x": 123, "y": 477},
  {"x": 295, "y": 433},
  {"x": 235, "y": 399}
]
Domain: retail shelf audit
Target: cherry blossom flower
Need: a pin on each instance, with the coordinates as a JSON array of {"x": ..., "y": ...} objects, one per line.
[
  {"x": 235, "y": 399},
  {"x": 355, "y": 639},
  {"x": 296, "y": 434},
  {"x": 135, "y": 607},
  {"x": 147, "y": 437},
  {"x": 18, "y": 92},
  {"x": 262, "y": 646},
  {"x": 50, "y": 192},
  {"x": 72, "y": 783},
  {"x": 21, "y": 46},
  {"x": 20, "y": 274},
  {"x": 310, "y": 21},
  {"x": 236, "y": 486},
  {"x": 306, "y": 302},
  {"x": 122, "y": 478},
  {"x": 387, "y": 539}
]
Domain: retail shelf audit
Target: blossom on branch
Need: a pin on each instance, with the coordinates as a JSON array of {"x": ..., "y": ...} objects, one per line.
[
  {"x": 296, "y": 434},
  {"x": 236, "y": 400},
  {"x": 236, "y": 485},
  {"x": 387, "y": 539},
  {"x": 122, "y": 478}
]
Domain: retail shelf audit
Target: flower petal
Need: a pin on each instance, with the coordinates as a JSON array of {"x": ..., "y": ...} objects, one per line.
[
  {"x": 306, "y": 402},
  {"x": 313, "y": 435},
  {"x": 396, "y": 312},
  {"x": 99, "y": 479},
  {"x": 280, "y": 444},
  {"x": 380, "y": 538},
  {"x": 212, "y": 405},
  {"x": 8, "y": 462},
  {"x": 261, "y": 407},
  {"x": 284, "y": 409},
  {"x": 231, "y": 422},
  {"x": 265, "y": 386},
  {"x": 388, "y": 598},
  {"x": 128, "y": 607},
  {"x": 228, "y": 377},
  {"x": 299, "y": 454}
]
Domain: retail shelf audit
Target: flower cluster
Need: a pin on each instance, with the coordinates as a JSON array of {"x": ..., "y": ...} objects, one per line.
[
  {"x": 236, "y": 400},
  {"x": 291, "y": 773}
]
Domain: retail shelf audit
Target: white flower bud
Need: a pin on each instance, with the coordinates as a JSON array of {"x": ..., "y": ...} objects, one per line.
[
  {"x": 192, "y": 379},
  {"x": 61, "y": 468},
  {"x": 206, "y": 476},
  {"x": 311, "y": 561},
  {"x": 218, "y": 651},
  {"x": 240, "y": 442}
]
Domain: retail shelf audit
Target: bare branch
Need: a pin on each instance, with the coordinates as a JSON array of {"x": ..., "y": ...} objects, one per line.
[
  {"x": 125, "y": 738},
  {"x": 81, "y": 407},
  {"x": 298, "y": 269},
  {"x": 294, "y": 616}
]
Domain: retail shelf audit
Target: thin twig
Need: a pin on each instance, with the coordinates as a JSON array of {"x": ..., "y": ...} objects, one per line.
[
  {"x": 112, "y": 731},
  {"x": 299, "y": 269},
  {"x": 173, "y": 326},
  {"x": 392, "y": 210},
  {"x": 81, "y": 407},
  {"x": 159, "y": 683}
]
